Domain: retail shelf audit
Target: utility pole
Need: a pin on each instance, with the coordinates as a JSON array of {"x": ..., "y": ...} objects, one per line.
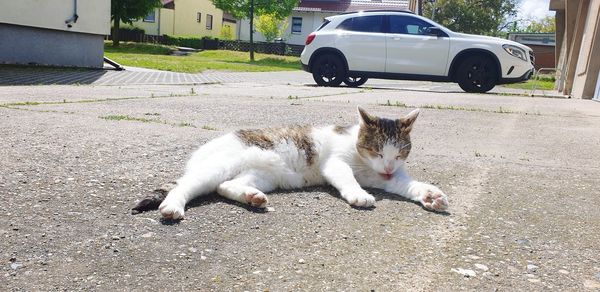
[{"x": 432, "y": 9}]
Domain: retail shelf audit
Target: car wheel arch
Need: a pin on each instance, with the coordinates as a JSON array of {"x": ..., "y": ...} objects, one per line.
[
  {"x": 472, "y": 52},
  {"x": 327, "y": 50}
]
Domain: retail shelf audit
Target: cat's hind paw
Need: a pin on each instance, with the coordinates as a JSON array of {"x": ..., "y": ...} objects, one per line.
[
  {"x": 256, "y": 199},
  {"x": 434, "y": 199},
  {"x": 359, "y": 198},
  {"x": 171, "y": 210}
]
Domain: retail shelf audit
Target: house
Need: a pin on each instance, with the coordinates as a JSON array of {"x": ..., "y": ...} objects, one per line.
[
  {"x": 309, "y": 14},
  {"x": 186, "y": 18},
  {"x": 542, "y": 44},
  {"x": 66, "y": 33},
  {"x": 229, "y": 27},
  {"x": 160, "y": 21},
  {"x": 578, "y": 47}
]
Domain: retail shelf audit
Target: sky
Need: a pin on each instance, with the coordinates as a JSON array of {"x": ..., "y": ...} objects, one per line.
[{"x": 535, "y": 9}]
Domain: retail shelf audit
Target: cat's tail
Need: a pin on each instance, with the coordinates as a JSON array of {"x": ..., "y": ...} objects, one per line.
[{"x": 152, "y": 202}]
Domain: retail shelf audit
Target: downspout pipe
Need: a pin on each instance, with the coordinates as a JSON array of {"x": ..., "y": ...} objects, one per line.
[{"x": 73, "y": 18}]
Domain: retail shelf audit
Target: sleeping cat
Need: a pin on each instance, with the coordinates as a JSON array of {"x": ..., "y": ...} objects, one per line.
[{"x": 244, "y": 165}]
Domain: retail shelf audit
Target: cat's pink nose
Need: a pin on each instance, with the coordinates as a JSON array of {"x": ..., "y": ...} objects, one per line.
[{"x": 388, "y": 169}]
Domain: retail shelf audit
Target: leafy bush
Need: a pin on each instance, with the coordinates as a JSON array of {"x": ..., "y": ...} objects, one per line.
[
  {"x": 192, "y": 42},
  {"x": 270, "y": 26},
  {"x": 130, "y": 29},
  {"x": 184, "y": 41},
  {"x": 545, "y": 77}
]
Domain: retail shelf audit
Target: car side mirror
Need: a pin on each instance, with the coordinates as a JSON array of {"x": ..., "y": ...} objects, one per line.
[{"x": 435, "y": 31}]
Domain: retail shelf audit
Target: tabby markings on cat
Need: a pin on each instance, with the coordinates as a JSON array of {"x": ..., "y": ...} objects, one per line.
[{"x": 244, "y": 165}]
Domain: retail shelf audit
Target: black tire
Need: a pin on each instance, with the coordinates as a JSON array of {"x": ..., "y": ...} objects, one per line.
[
  {"x": 355, "y": 81},
  {"x": 328, "y": 70},
  {"x": 477, "y": 74}
]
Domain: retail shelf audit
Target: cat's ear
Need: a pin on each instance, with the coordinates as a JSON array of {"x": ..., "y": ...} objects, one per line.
[
  {"x": 405, "y": 123},
  {"x": 364, "y": 118}
]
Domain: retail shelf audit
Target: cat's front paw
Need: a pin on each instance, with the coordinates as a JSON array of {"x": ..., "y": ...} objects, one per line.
[
  {"x": 434, "y": 199},
  {"x": 171, "y": 209},
  {"x": 359, "y": 198},
  {"x": 256, "y": 199}
]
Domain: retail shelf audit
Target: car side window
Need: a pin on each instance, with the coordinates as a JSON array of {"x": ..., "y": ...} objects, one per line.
[
  {"x": 346, "y": 24},
  {"x": 408, "y": 25},
  {"x": 363, "y": 24}
]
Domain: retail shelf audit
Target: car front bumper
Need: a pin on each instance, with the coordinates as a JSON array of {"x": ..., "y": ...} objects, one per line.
[
  {"x": 521, "y": 78},
  {"x": 305, "y": 67}
]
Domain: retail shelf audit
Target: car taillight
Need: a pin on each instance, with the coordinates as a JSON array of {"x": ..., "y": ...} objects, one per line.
[{"x": 310, "y": 38}]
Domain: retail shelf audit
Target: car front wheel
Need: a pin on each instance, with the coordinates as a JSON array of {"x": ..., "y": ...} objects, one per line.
[
  {"x": 355, "y": 81},
  {"x": 328, "y": 70},
  {"x": 477, "y": 74}
]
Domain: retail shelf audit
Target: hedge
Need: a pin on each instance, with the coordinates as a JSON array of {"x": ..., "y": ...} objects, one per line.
[{"x": 192, "y": 42}]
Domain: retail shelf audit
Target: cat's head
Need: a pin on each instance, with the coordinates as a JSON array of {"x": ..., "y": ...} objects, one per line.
[{"x": 382, "y": 143}]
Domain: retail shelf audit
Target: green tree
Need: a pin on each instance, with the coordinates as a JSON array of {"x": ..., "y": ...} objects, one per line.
[
  {"x": 226, "y": 33},
  {"x": 128, "y": 11},
  {"x": 247, "y": 9},
  {"x": 544, "y": 25},
  {"x": 487, "y": 17},
  {"x": 270, "y": 26}
]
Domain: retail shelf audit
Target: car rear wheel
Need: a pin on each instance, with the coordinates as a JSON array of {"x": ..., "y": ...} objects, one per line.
[
  {"x": 477, "y": 74},
  {"x": 328, "y": 70},
  {"x": 355, "y": 81}
]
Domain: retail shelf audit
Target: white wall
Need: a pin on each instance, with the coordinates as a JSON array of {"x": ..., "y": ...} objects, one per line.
[
  {"x": 94, "y": 15},
  {"x": 310, "y": 22}
]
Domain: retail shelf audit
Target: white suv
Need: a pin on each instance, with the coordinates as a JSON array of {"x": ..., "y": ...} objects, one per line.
[{"x": 353, "y": 47}]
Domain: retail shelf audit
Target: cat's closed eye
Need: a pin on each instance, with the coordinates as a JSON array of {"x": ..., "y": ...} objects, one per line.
[
  {"x": 372, "y": 152},
  {"x": 403, "y": 154},
  {"x": 375, "y": 153}
]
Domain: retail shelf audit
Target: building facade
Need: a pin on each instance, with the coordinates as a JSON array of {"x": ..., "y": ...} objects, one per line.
[
  {"x": 67, "y": 33},
  {"x": 197, "y": 18},
  {"x": 577, "y": 47}
]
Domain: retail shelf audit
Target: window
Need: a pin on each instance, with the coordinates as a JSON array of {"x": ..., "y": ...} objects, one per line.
[
  {"x": 367, "y": 23},
  {"x": 209, "y": 22},
  {"x": 151, "y": 17},
  {"x": 363, "y": 24},
  {"x": 198, "y": 17},
  {"x": 296, "y": 24},
  {"x": 324, "y": 24},
  {"x": 408, "y": 25},
  {"x": 346, "y": 24}
]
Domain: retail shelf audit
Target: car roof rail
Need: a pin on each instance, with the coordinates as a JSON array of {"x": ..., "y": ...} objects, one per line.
[{"x": 380, "y": 10}]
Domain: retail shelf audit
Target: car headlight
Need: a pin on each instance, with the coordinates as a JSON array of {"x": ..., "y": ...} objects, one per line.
[{"x": 515, "y": 51}]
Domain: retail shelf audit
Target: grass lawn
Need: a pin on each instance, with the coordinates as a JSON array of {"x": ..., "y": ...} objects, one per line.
[
  {"x": 544, "y": 82},
  {"x": 156, "y": 57}
]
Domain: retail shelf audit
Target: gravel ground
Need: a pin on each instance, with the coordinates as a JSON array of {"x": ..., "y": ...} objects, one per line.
[{"x": 523, "y": 183}]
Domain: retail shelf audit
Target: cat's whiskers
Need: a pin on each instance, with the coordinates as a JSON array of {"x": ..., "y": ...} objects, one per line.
[{"x": 406, "y": 145}]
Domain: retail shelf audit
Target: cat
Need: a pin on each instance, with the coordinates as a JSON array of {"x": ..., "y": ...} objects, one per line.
[{"x": 246, "y": 164}]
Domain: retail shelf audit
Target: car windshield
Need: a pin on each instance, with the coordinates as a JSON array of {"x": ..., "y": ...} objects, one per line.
[{"x": 438, "y": 25}]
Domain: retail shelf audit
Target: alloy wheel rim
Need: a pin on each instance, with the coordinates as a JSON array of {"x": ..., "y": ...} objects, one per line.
[{"x": 328, "y": 71}]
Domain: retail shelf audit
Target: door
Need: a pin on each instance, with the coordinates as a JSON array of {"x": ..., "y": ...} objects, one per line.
[
  {"x": 410, "y": 50},
  {"x": 362, "y": 41}
]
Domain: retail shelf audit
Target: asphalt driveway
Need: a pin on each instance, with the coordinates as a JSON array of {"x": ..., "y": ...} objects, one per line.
[{"x": 522, "y": 174}]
